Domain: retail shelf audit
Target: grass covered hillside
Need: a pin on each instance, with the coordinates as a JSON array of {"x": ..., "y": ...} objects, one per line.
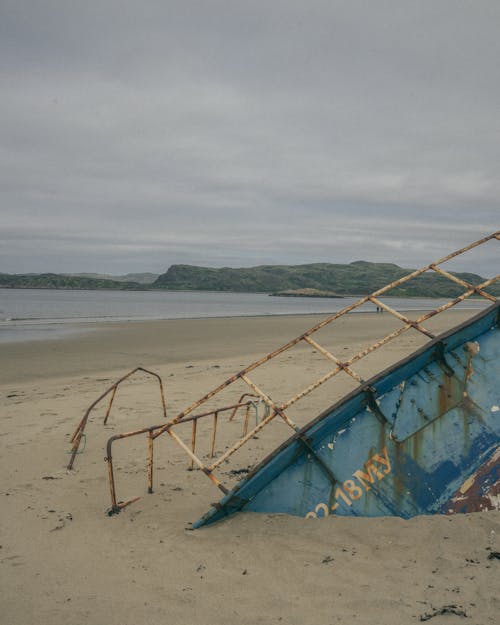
[
  {"x": 359, "y": 278},
  {"x": 60, "y": 281},
  {"x": 318, "y": 279}
]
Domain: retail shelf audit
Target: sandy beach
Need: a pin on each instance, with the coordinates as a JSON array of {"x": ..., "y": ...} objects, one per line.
[{"x": 64, "y": 561}]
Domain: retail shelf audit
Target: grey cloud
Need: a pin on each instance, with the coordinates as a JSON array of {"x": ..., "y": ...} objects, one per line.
[{"x": 139, "y": 135}]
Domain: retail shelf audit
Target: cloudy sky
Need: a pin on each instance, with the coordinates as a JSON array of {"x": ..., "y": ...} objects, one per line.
[{"x": 134, "y": 135}]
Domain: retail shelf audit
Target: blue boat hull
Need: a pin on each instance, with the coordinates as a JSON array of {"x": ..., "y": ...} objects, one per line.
[{"x": 422, "y": 437}]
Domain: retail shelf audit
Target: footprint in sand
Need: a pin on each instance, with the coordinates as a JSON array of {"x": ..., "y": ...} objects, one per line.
[{"x": 13, "y": 560}]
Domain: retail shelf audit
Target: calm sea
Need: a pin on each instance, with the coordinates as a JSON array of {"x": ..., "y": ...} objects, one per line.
[{"x": 33, "y": 314}]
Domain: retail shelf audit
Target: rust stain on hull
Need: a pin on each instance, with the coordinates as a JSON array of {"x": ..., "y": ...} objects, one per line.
[{"x": 480, "y": 491}]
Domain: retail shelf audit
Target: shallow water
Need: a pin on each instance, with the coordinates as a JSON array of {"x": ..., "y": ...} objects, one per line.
[{"x": 37, "y": 314}]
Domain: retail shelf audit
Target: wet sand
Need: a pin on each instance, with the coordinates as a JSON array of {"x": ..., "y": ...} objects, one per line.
[{"x": 62, "y": 560}]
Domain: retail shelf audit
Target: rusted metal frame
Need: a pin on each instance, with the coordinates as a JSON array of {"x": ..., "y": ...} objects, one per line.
[
  {"x": 422, "y": 270},
  {"x": 151, "y": 438},
  {"x": 261, "y": 361},
  {"x": 243, "y": 440},
  {"x": 117, "y": 506},
  {"x": 458, "y": 299},
  {"x": 209, "y": 413},
  {"x": 378, "y": 344},
  {"x": 197, "y": 461},
  {"x": 270, "y": 402},
  {"x": 311, "y": 388},
  {"x": 407, "y": 326},
  {"x": 424, "y": 317},
  {"x": 326, "y": 322},
  {"x": 239, "y": 402},
  {"x": 399, "y": 281},
  {"x": 161, "y": 428},
  {"x": 494, "y": 235},
  {"x": 194, "y": 419},
  {"x": 448, "y": 305},
  {"x": 330, "y": 356},
  {"x": 118, "y": 382},
  {"x": 77, "y": 435},
  {"x": 461, "y": 282},
  {"x": 488, "y": 282},
  {"x": 401, "y": 317},
  {"x": 181, "y": 416}
]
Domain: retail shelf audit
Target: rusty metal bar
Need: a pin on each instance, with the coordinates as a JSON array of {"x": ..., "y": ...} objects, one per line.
[
  {"x": 270, "y": 403},
  {"x": 374, "y": 346},
  {"x": 245, "y": 424},
  {"x": 311, "y": 388},
  {"x": 150, "y": 461},
  {"x": 117, "y": 506},
  {"x": 447, "y": 306},
  {"x": 239, "y": 402},
  {"x": 243, "y": 440},
  {"x": 461, "y": 282},
  {"x": 263, "y": 360},
  {"x": 193, "y": 442},
  {"x": 330, "y": 356},
  {"x": 196, "y": 417},
  {"x": 211, "y": 412},
  {"x": 401, "y": 317},
  {"x": 422, "y": 270},
  {"x": 110, "y": 404},
  {"x": 458, "y": 299},
  {"x": 494, "y": 235},
  {"x": 423, "y": 317},
  {"x": 490, "y": 281},
  {"x": 206, "y": 470},
  {"x": 112, "y": 487},
  {"x": 214, "y": 432}
]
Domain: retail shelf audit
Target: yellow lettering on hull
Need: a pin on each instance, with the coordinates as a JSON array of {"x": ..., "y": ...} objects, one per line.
[{"x": 375, "y": 469}]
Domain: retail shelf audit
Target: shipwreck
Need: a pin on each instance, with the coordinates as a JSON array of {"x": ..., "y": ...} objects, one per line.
[{"x": 422, "y": 436}]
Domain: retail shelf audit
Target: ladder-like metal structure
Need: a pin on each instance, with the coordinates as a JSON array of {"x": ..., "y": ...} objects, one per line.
[{"x": 258, "y": 395}]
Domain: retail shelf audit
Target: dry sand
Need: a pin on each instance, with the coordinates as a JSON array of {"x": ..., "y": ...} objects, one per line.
[{"x": 63, "y": 561}]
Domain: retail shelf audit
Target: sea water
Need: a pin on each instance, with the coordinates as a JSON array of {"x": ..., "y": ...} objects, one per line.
[{"x": 33, "y": 314}]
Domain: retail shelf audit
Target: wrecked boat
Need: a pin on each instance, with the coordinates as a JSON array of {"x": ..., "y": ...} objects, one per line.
[{"x": 420, "y": 437}]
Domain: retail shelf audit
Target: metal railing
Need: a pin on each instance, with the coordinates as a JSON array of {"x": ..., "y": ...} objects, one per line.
[
  {"x": 79, "y": 433},
  {"x": 278, "y": 410}
]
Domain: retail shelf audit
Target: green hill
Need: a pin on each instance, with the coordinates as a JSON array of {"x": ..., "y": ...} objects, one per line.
[
  {"x": 357, "y": 278},
  {"x": 61, "y": 281},
  {"x": 141, "y": 278}
]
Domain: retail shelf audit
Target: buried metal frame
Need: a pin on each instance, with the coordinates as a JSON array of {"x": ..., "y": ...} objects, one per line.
[
  {"x": 340, "y": 366},
  {"x": 152, "y": 431},
  {"x": 79, "y": 432}
]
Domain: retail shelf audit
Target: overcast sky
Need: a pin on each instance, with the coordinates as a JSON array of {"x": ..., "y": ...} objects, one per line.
[{"x": 135, "y": 135}]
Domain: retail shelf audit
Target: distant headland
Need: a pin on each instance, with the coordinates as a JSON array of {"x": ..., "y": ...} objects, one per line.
[{"x": 310, "y": 280}]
